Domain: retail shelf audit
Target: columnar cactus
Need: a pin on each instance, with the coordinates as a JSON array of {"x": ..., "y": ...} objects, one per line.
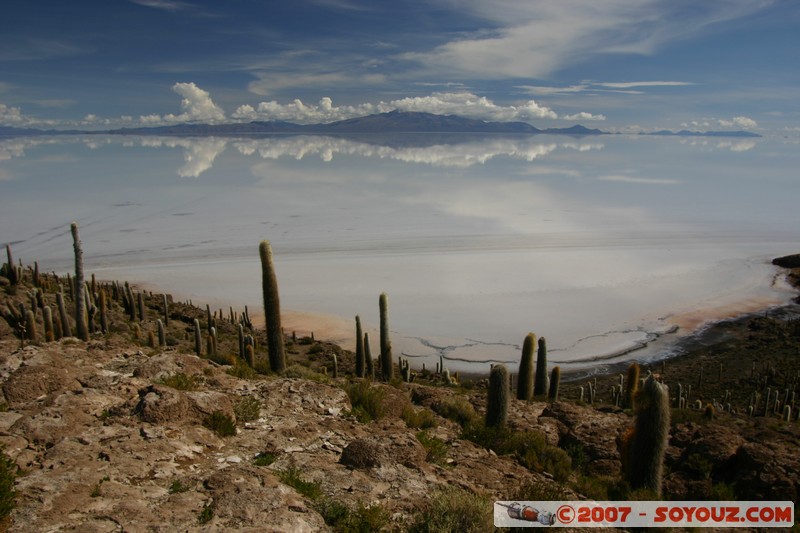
[
  {"x": 165, "y": 303},
  {"x": 387, "y": 365},
  {"x": 368, "y": 357},
  {"x": 540, "y": 387},
  {"x": 272, "y": 309},
  {"x": 197, "y": 338},
  {"x": 632, "y": 386},
  {"x": 335, "y": 366},
  {"x": 80, "y": 303},
  {"x": 30, "y": 326},
  {"x": 250, "y": 356},
  {"x": 497, "y": 399},
  {"x": 162, "y": 337},
  {"x": 142, "y": 310},
  {"x": 525, "y": 378},
  {"x": 103, "y": 311},
  {"x": 555, "y": 382},
  {"x": 644, "y": 447},
  {"x": 66, "y": 331},
  {"x": 360, "y": 363},
  {"x": 12, "y": 272},
  {"x": 49, "y": 332}
]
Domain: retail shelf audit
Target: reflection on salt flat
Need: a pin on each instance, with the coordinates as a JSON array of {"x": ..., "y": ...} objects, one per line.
[{"x": 599, "y": 244}]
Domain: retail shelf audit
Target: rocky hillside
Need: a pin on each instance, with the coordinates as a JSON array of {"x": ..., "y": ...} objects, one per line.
[{"x": 133, "y": 431}]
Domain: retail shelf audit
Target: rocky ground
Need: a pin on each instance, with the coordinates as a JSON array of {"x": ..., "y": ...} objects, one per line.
[{"x": 121, "y": 434}]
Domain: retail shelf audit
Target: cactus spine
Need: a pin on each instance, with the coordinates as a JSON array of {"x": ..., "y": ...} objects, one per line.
[
  {"x": 497, "y": 400},
  {"x": 555, "y": 382},
  {"x": 80, "y": 303},
  {"x": 272, "y": 309},
  {"x": 525, "y": 378},
  {"x": 632, "y": 386},
  {"x": 360, "y": 363},
  {"x": 540, "y": 387},
  {"x": 644, "y": 460},
  {"x": 387, "y": 365}
]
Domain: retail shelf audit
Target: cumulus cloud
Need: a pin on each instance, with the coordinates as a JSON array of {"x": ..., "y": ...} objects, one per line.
[
  {"x": 464, "y": 104},
  {"x": 196, "y": 104},
  {"x": 583, "y": 115},
  {"x": 739, "y": 122},
  {"x": 11, "y": 116}
]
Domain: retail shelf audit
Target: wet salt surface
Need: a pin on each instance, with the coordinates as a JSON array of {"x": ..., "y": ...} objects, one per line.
[{"x": 609, "y": 247}]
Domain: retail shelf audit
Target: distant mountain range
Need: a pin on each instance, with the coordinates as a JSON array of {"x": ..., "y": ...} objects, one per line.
[{"x": 391, "y": 122}]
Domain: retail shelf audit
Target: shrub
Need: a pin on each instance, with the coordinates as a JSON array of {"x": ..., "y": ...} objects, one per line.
[
  {"x": 436, "y": 448},
  {"x": 458, "y": 410},
  {"x": 247, "y": 409},
  {"x": 264, "y": 459},
  {"x": 454, "y": 510},
  {"x": 418, "y": 418},
  {"x": 362, "y": 519},
  {"x": 179, "y": 381},
  {"x": 241, "y": 370},
  {"x": 177, "y": 487},
  {"x": 221, "y": 424},
  {"x": 206, "y": 514},
  {"x": 303, "y": 372},
  {"x": 291, "y": 477},
  {"x": 367, "y": 401}
]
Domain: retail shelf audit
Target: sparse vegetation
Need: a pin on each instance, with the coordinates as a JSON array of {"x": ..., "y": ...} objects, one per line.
[
  {"x": 207, "y": 514},
  {"x": 247, "y": 409},
  {"x": 8, "y": 473},
  {"x": 179, "y": 381},
  {"x": 292, "y": 476},
  {"x": 177, "y": 487},
  {"x": 435, "y": 448},
  {"x": 264, "y": 459},
  {"x": 221, "y": 424},
  {"x": 362, "y": 519},
  {"x": 421, "y": 418},
  {"x": 454, "y": 510},
  {"x": 366, "y": 400}
]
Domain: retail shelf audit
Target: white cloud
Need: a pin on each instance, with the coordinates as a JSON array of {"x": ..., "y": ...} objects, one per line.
[
  {"x": 461, "y": 103},
  {"x": 11, "y": 116},
  {"x": 631, "y": 84},
  {"x": 197, "y": 105},
  {"x": 583, "y": 115},
  {"x": 739, "y": 122}
]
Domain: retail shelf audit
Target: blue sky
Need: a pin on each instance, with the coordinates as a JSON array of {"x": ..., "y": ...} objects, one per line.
[{"x": 620, "y": 65}]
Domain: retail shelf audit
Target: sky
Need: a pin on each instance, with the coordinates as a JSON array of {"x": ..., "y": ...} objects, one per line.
[{"x": 617, "y": 65}]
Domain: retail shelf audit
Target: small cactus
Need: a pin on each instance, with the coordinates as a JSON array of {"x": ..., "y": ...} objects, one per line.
[
  {"x": 335, "y": 373},
  {"x": 142, "y": 311},
  {"x": 497, "y": 399},
  {"x": 62, "y": 313},
  {"x": 709, "y": 412},
  {"x": 49, "y": 332},
  {"x": 162, "y": 338},
  {"x": 103, "y": 311},
  {"x": 525, "y": 378},
  {"x": 555, "y": 381}
]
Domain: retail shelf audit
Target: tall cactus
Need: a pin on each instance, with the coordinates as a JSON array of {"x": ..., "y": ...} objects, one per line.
[
  {"x": 497, "y": 399},
  {"x": 387, "y": 365},
  {"x": 30, "y": 326},
  {"x": 162, "y": 336},
  {"x": 540, "y": 386},
  {"x": 525, "y": 379},
  {"x": 360, "y": 362},
  {"x": 103, "y": 311},
  {"x": 80, "y": 303},
  {"x": 555, "y": 383},
  {"x": 272, "y": 309},
  {"x": 645, "y": 445}
]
